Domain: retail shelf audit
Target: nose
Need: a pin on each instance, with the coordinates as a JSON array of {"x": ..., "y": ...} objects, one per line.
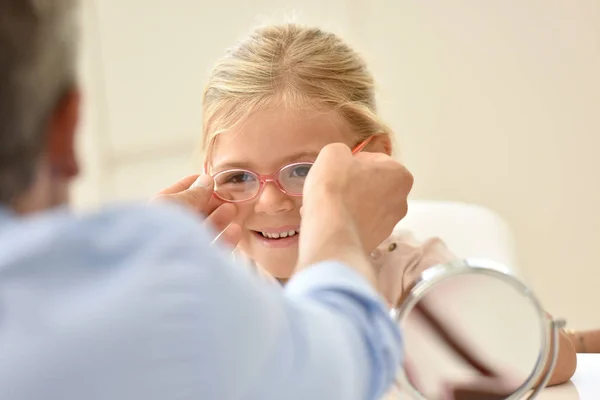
[{"x": 273, "y": 201}]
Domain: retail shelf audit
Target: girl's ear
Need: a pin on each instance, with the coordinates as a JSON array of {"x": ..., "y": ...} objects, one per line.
[{"x": 380, "y": 144}]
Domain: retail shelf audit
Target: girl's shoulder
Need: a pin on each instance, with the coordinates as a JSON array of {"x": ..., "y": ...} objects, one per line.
[
  {"x": 402, "y": 258},
  {"x": 403, "y": 249}
]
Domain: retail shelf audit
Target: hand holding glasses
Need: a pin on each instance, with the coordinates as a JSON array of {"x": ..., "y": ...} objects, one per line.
[
  {"x": 374, "y": 188},
  {"x": 240, "y": 185}
]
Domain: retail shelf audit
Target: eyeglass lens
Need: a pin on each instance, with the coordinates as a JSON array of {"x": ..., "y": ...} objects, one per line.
[{"x": 240, "y": 185}]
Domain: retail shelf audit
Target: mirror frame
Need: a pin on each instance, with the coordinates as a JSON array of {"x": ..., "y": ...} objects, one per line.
[{"x": 439, "y": 273}]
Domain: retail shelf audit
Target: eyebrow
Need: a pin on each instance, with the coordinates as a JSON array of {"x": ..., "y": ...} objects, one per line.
[{"x": 285, "y": 160}]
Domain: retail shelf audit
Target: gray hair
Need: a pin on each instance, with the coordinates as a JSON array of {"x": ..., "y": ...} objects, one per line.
[{"x": 38, "y": 62}]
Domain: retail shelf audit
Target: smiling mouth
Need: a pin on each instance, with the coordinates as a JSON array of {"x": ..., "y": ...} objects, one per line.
[{"x": 278, "y": 235}]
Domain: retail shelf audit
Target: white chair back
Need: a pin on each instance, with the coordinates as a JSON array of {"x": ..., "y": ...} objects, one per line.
[{"x": 469, "y": 230}]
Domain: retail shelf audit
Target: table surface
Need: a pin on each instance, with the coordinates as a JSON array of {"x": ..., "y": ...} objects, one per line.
[{"x": 585, "y": 385}]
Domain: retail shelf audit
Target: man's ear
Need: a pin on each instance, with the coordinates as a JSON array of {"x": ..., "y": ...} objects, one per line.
[
  {"x": 62, "y": 128},
  {"x": 380, "y": 144}
]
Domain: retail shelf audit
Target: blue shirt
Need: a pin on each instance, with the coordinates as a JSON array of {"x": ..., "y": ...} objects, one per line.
[{"x": 133, "y": 303}]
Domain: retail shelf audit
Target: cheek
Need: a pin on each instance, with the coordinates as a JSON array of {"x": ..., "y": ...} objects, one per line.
[
  {"x": 298, "y": 203},
  {"x": 245, "y": 211}
]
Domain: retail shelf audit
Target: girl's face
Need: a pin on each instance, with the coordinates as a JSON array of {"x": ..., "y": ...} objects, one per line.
[{"x": 268, "y": 141}]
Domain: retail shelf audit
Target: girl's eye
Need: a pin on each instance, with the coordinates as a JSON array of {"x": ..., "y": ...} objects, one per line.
[
  {"x": 239, "y": 178},
  {"x": 236, "y": 177},
  {"x": 300, "y": 171}
]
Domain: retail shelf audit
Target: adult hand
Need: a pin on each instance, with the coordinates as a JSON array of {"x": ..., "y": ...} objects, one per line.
[
  {"x": 195, "y": 192},
  {"x": 350, "y": 205},
  {"x": 371, "y": 186}
]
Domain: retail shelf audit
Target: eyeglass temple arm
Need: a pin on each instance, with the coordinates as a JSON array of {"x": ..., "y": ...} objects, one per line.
[{"x": 359, "y": 147}]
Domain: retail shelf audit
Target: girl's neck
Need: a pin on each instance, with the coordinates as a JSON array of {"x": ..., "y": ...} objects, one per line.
[{"x": 264, "y": 272}]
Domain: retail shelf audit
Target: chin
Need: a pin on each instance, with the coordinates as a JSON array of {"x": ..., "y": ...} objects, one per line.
[
  {"x": 279, "y": 262},
  {"x": 279, "y": 271},
  {"x": 278, "y": 257}
]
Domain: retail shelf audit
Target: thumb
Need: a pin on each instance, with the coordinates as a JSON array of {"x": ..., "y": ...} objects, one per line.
[
  {"x": 334, "y": 151},
  {"x": 197, "y": 196},
  {"x": 181, "y": 185}
]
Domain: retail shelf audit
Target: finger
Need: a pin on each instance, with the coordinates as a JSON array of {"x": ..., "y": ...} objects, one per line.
[
  {"x": 369, "y": 156},
  {"x": 181, "y": 185},
  {"x": 213, "y": 203},
  {"x": 222, "y": 217},
  {"x": 373, "y": 155},
  {"x": 408, "y": 179},
  {"x": 197, "y": 197},
  {"x": 335, "y": 150},
  {"x": 230, "y": 236}
]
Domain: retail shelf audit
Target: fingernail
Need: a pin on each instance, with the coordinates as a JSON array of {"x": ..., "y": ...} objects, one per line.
[{"x": 204, "y": 181}]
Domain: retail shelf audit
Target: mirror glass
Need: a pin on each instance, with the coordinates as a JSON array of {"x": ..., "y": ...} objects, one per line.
[{"x": 472, "y": 336}]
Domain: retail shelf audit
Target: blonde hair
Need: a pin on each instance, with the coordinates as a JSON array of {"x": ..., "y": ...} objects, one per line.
[{"x": 292, "y": 66}]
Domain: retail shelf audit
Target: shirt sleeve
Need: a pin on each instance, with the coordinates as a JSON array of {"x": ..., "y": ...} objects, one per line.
[
  {"x": 401, "y": 259},
  {"x": 334, "y": 286},
  {"x": 327, "y": 335},
  {"x": 139, "y": 305}
]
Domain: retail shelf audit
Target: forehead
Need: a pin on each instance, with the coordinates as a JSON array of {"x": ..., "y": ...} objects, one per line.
[{"x": 272, "y": 137}]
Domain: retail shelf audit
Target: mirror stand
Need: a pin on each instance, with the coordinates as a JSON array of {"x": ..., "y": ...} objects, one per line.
[{"x": 556, "y": 326}]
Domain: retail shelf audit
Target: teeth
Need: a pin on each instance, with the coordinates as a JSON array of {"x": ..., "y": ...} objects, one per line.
[{"x": 280, "y": 235}]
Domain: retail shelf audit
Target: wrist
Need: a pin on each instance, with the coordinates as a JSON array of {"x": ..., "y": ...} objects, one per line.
[
  {"x": 328, "y": 232},
  {"x": 325, "y": 215}
]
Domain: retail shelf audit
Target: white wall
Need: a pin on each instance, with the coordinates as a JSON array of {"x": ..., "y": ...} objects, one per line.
[
  {"x": 497, "y": 103},
  {"x": 494, "y": 102},
  {"x": 145, "y": 64}
]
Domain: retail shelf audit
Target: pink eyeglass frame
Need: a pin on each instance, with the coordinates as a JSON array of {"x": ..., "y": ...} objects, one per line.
[{"x": 273, "y": 178}]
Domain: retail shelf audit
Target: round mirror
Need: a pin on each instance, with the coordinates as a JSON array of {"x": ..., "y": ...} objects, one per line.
[{"x": 472, "y": 331}]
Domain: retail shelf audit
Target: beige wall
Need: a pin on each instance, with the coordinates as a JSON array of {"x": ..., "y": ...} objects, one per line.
[
  {"x": 498, "y": 103},
  {"x": 494, "y": 102}
]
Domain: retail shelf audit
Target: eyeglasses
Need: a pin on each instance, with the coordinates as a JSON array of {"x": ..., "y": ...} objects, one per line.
[{"x": 239, "y": 185}]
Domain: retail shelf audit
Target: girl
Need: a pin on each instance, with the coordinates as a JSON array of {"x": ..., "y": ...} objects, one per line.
[{"x": 269, "y": 107}]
